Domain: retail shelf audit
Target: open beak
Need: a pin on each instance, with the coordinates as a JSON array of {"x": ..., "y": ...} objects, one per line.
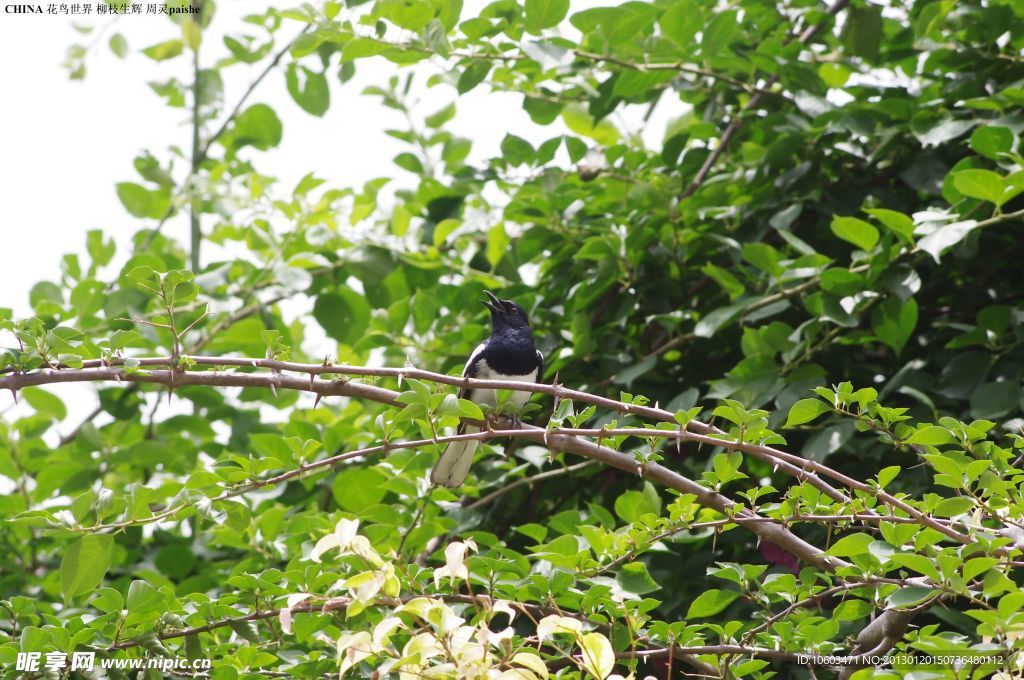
[{"x": 493, "y": 304}]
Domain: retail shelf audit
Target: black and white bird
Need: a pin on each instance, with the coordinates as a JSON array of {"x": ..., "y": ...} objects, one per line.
[{"x": 508, "y": 354}]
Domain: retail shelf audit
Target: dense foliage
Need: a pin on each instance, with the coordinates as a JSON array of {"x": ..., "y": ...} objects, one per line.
[{"x": 820, "y": 257}]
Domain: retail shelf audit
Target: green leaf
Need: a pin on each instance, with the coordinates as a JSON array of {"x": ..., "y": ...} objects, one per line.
[
  {"x": 918, "y": 563},
  {"x": 931, "y": 435},
  {"x": 834, "y": 75},
  {"x": 516, "y": 150},
  {"x": 473, "y": 75},
  {"x": 413, "y": 15},
  {"x": 257, "y": 126},
  {"x": 118, "y": 45},
  {"x": 983, "y": 184},
  {"x": 309, "y": 89},
  {"x": 142, "y": 202},
  {"x": 409, "y": 161},
  {"x": 725, "y": 279},
  {"x": 44, "y": 402},
  {"x": 930, "y": 18},
  {"x": 710, "y": 324},
  {"x": 344, "y": 315},
  {"x": 632, "y": 505},
  {"x": 910, "y": 596},
  {"x": 497, "y": 244},
  {"x": 978, "y": 565},
  {"x": 541, "y": 14},
  {"x": 893, "y": 321},
  {"x": 897, "y": 222},
  {"x": 842, "y": 282},
  {"x": 711, "y": 602},
  {"x": 108, "y": 600},
  {"x": 597, "y": 655},
  {"x": 85, "y": 563},
  {"x": 620, "y": 24},
  {"x": 806, "y": 410},
  {"x": 992, "y": 141},
  {"x": 852, "y": 545},
  {"x": 887, "y": 474},
  {"x": 954, "y": 507},
  {"x": 45, "y": 292},
  {"x": 143, "y": 597},
  {"x": 681, "y": 22},
  {"x": 165, "y": 50},
  {"x": 101, "y": 251},
  {"x": 582, "y": 123},
  {"x": 360, "y": 48},
  {"x": 634, "y": 578},
  {"x": 358, "y": 488},
  {"x": 862, "y": 31},
  {"x": 536, "y": 532},
  {"x": 719, "y": 32},
  {"x": 851, "y": 610},
  {"x": 270, "y": 445},
  {"x": 440, "y": 117},
  {"x": 855, "y": 231},
  {"x": 192, "y": 33}
]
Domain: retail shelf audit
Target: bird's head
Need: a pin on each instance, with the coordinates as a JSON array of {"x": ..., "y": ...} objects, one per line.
[{"x": 505, "y": 313}]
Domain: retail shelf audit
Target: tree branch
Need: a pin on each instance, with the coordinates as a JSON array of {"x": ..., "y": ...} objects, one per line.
[
  {"x": 560, "y": 442},
  {"x": 100, "y": 370}
]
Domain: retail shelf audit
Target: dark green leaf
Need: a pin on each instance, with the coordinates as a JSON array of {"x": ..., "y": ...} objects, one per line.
[
  {"x": 893, "y": 321},
  {"x": 344, "y": 314}
]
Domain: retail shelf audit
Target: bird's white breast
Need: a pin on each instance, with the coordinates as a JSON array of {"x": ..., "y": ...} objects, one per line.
[{"x": 486, "y": 396}]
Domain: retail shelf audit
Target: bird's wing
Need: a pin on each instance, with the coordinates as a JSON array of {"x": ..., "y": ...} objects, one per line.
[{"x": 472, "y": 363}]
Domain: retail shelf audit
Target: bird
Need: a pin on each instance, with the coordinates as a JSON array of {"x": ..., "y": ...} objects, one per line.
[{"x": 507, "y": 354}]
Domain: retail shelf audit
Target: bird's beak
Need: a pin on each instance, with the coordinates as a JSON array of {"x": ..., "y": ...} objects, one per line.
[{"x": 493, "y": 304}]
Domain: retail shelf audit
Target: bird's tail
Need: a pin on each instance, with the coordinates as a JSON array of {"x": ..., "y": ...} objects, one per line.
[{"x": 453, "y": 466}]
